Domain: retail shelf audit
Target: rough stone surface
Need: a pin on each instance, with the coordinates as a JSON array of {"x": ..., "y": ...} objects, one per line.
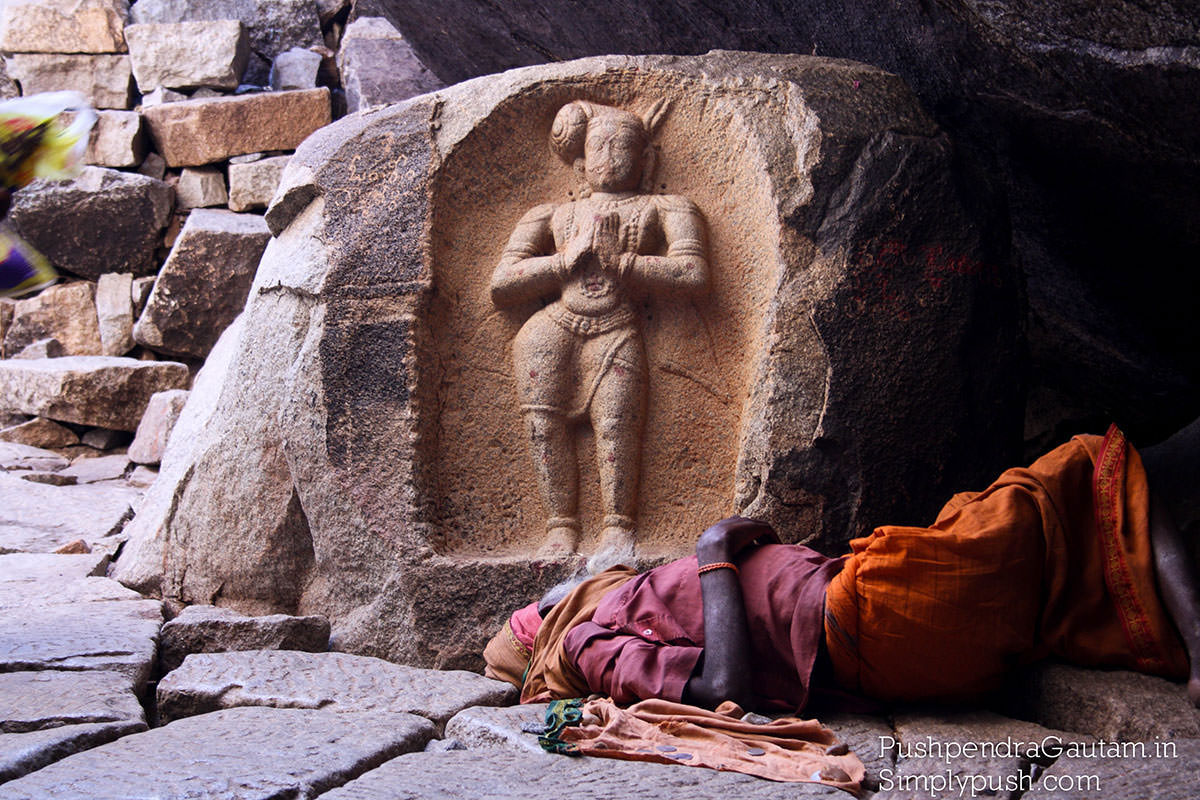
[
  {"x": 103, "y": 221},
  {"x": 506, "y": 727},
  {"x": 209, "y": 629},
  {"x": 63, "y": 26},
  {"x": 1114, "y": 706},
  {"x": 160, "y": 96},
  {"x": 104, "y": 439},
  {"x": 93, "y": 469},
  {"x": 31, "y": 701},
  {"x": 370, "y": 410},
  {"x": 117, "y": 140},
  {"x": 26, "y": 572},
  {"x": 273, "y": 25},
  {"x": 201, "y": 188},
  {"x": 378, "y": 66},
  {"x": 117, "y": 636},
  {"x": 253, "y": 184},
  {"x": 1162, "y": 770},
  {"x": 39, "y": 432},
  {"x": 154, "y": 430},
  {"x": 188, "y": 55},
  {"x": 295, "y": 69},
  {"x": 141, "y": 563},
  {"x": 22, "y": 753},
  {"x": 17, "y": 456},
  {"x": 204, "y": 283},
  {"x": 330, "y": 681},
  {"x": 41, "y": 518},
  {"x": 105, "y": 391},
  {"x": 500, "y": 775},
  {"x": 140, "y": 292},
  {"x": 195, "y": 132},
  {"x": 240, "y": 754},
  {"x": 114, "y": 312},
  {"x": 6, "y": 311},
  {"x": 105, "y": 80},
  {"x": 66, "y": 312},
  {"x": 42, "y": 348}
]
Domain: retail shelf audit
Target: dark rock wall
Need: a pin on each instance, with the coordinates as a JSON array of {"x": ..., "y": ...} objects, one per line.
[{"x": 1084, "y": 113}]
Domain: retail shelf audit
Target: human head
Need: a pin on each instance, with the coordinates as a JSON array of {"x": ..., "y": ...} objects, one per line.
[{"x": 610, "y": 146}]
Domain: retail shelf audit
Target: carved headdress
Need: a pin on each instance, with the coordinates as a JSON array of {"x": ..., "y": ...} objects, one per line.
[{"x": 570, "y": 128}]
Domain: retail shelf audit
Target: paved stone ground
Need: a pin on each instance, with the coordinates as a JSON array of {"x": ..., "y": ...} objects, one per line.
[{"x": 85, "y": 714}]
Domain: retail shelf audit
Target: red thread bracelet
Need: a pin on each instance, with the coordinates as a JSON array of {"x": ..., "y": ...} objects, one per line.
[{"x": 718, "y": 565}]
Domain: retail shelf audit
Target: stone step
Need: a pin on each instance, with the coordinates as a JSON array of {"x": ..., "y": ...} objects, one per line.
[{"x": 334, "y": 682}]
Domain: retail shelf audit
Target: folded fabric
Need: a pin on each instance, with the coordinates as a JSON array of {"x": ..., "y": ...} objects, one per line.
[{"x": 785, "y": 749}]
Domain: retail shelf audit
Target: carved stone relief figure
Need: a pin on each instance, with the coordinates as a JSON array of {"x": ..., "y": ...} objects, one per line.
[{"x": 581, "y": 358}]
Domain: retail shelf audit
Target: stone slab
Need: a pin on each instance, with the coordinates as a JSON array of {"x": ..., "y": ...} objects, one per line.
[
  {"x": 49, "y": 570},
  {"x": 117, "y": 140},
  {"x": 39, "y": 432},
  {"x": 114, "y": 312},
  {"x": 378, "y": 66},
  {"x": 188, "y": 55},
  {"x": 18, "y": 456},
  {"x": 31, "y": 701},
  {"x": 195, "y": 132},
  {"x": 253, "y": 184},
  {"x": 116, "y": 636},
  {"x": 94, "y": 469},
  {"x": 63, "y": 26},
  {"x": 105, "y": 80},
  {"x": 104, "y": 439},
  {"x": 239, "y": 754},
  {"x": 1122, "y": 770},
  {"x": 15, "y": 596},
  {"x": 1113, "y": 705},
  {"x": 105, "y": 391},
  {"x": 22, "y": 753},
  {"x": 154, "y": 430},
  {"x": 329, "y": 681},
  {"x": 66, "y": 312},
  {"x": 201, "y": 187},
  {"x": 500, "y": 775},
  {"x": 295, "y": 69},
  {"x": 102, "y": 221},
  {"x": 204, "y": 283},
  {"x": 505, "y": 727},
  {"x": 209, "y": 629}
]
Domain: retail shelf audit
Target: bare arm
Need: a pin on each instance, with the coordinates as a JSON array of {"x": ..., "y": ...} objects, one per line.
[
  {"x": 1178, "y": 585},
  {"x": 685, "y": 265},
  {"x": 528, "y": 268},
  {"x": 724, "y": 673}
]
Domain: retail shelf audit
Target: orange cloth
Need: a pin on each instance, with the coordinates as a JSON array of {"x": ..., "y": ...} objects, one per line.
[
  {"x": 784, "y": 749},
  {"x": 506, "y": 657},
  {"x": 1054, "y": 560},
  {"x": 551, "y": 673}
]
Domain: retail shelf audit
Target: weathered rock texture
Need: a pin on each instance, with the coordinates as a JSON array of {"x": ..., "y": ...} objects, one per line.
[
  {"x": 208, "y": 629},
  {"x": 244, "y": 753},
  {"x": 378, "y": 66},
  {"x": 252, "y": 185},
  {"x": 22, "y": 753},
  {"x": 295, "y": 69},
  {"x": 31, "y": 701},
  {"x": 194, "y": 132},
  {"x": 850, "y": 363},
  {"x": 63, "y": 26},
  {"x": 38, "y": 518},
  {"x": 334, "y": 682},
  {"x": 105, "y": 80},
  {"x": 66, "y": 313},
  {"x": 273, "y": 25},
  {"x": 106, "y": 391},
  {"x": 162, "y": 412},
  {"x": 201, "y": 188},
  {"x": 103, "y": 221},
  {"x": 39, "y": 432},
  {"x": 114, "y": 312},
  {"x": 204, "y": 283},
  {"x": 117, "y": 140},
  {"x": 188, "y": 55}
]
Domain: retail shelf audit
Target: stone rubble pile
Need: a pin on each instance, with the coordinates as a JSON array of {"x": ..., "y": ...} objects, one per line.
[{"x": 201, "y": 103}]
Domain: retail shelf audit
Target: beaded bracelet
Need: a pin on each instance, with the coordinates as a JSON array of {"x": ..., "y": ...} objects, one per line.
[{"x": 718, "y": 565}]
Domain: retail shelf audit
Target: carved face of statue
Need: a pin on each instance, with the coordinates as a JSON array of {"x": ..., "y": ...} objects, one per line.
[{"x": 612, "y": 155}]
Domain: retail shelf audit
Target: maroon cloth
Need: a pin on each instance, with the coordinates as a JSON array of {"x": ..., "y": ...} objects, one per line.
[{"x": 646, "y": 637}]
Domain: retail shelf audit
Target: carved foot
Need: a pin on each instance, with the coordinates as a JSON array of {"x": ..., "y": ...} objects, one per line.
[
  {"x": 616, "y": 547},
  {"x": 561, "y": 539}
]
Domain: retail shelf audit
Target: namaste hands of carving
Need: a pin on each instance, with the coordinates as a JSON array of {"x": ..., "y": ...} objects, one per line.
[{"x": 600, "y": 236}]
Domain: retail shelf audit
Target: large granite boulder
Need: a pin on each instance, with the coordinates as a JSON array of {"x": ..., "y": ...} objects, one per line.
[
  {"x": 63, "y": 26},
  {"x": 102, "y": 221},
  {"x": 1082, "y": 110},
  {"x": 849, "y": 364},
  {"x": 105, "y": 80},
  {"x": 188, "y": 55},
  {"x": 66, "y": 313}
]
